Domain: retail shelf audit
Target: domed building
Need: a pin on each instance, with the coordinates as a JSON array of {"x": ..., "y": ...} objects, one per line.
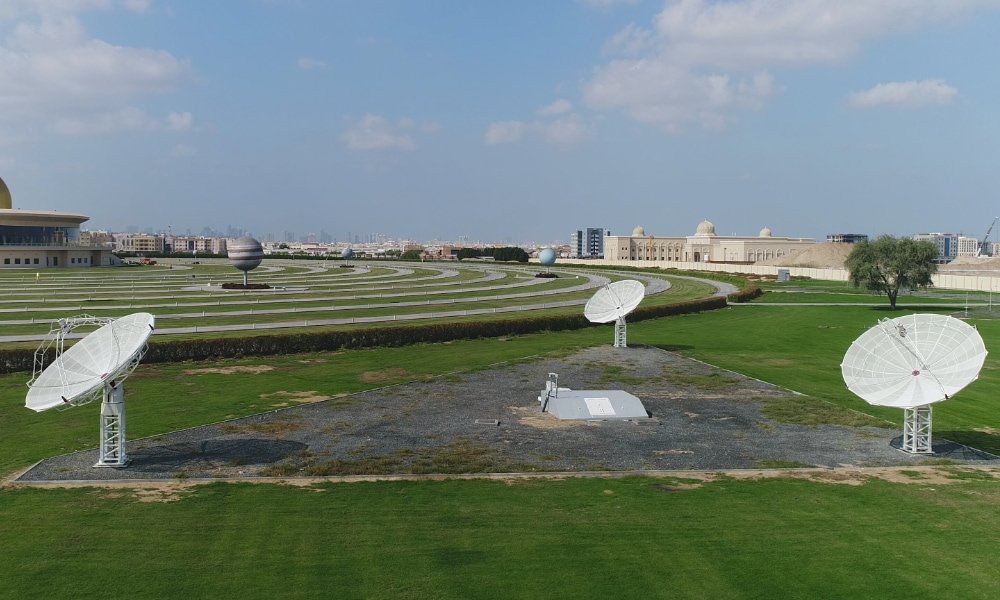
[
  {"x": 703, "y": 246},
  {"x": 38, "y": 239}
]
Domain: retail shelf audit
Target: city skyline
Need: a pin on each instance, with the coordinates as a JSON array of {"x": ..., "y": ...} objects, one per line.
[{"x": 521, "y": 121}]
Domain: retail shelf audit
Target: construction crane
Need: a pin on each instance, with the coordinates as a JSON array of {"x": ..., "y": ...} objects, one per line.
[{"x": 982, "y": 244}]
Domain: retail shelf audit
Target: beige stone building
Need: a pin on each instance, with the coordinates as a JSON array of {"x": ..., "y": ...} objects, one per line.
[
  {"x": 44, "y": 238},
  {"x": 139, "y": 242},
  {"x": 703, "y": 246}
]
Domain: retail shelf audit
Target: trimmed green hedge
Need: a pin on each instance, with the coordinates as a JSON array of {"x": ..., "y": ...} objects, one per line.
[
  {"x": 748, "y": 292},
  {"x": 15, "y": 360}
]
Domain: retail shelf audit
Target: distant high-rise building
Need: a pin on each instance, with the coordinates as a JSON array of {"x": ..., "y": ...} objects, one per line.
[
  {"x": 846, "y": 238},
  {"x": 968, "y": 246},
  {"x": 947, "y": 245},
  {"x": 588, "y": 243}
]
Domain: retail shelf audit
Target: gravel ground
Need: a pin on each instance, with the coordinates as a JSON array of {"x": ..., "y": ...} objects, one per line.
[{"x": 702, "y": 418}]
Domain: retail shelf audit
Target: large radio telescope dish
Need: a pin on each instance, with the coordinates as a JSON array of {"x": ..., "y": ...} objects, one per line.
[
  {"x": 96, "y": 365},
  {"x": 612, "y": 303},
  {"x": 911, "y": 362}
]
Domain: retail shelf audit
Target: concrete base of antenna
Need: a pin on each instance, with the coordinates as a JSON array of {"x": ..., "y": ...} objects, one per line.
[{"x": 590, "y": 405}]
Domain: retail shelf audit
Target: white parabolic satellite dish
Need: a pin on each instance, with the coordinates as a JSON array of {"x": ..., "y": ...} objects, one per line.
[
  {"x": 80, "y": 373},
  {"x": 614, "y": 301},
  {"x": 913, "y": 360}
]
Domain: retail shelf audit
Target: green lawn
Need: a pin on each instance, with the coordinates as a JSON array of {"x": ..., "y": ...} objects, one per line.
[
  {"x": 801, "y": 348},
  {"x": 798, "y": 347},
  {"x": 581, "y": 538},
  {"x": 809, "y": 297}
]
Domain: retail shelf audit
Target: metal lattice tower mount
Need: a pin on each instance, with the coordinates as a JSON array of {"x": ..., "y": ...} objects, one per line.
[
  {"x": 112, "y": 451},
  {"x": 917, "y": 430},
  {"x": 620, "y": 333}
]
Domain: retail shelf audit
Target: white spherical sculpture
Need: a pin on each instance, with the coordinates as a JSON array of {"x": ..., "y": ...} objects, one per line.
[{"x": 547, "y": 257}]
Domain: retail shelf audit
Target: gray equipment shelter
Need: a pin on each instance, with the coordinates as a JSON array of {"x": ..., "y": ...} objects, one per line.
[{"x": 604, "y": 405}]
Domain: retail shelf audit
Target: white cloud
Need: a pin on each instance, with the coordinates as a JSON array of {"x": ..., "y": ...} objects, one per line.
[
  {"x": 558, "y": 125},
  {"x": 12, "y": 9},
  {"x": 558, "y": 107},
  {"x": 505, "y": 132},
  {"x": 702, "y": 61},
  {"x": 179, "y": 121},
  {"x": 373, "y": 132},
  {"x": 905, "y": 94},
  {"x": 568, "y": 130},
  {"x": 310, "y": 64},
  {"x": 137, "y": 6},
  {"x": 53, "y": 72},
  {"x": 125, "y": 119},
  {"x": 631, "y": 41}
]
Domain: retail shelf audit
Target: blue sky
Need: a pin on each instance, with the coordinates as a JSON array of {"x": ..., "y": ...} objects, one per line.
[{"x": 504, "y": 121}]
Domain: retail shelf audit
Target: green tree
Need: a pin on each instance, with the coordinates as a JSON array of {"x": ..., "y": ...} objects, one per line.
[
  {"x": 890, "y": 263},
  {"x": 411, "y": 255},
  {"x": 509, "y": 254}
]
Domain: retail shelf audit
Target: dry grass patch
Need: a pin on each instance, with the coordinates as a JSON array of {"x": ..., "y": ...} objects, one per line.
[
  {"x": 675, "y": 487},
  {"x": 777, "y": 362},
  {"x": 384, "y": 376},
  {"x": 164, "y": 493},
  {"x": 539, "y": 420},
  {"x": 300, "y": 397},
  {"x": 230, "y": 370}
]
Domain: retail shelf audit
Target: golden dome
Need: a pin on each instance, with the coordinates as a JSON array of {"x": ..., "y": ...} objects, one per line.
[{"x": 5, "y": 199}]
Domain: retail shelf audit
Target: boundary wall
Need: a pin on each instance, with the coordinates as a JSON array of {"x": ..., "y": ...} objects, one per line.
[{"x": 950, "y": 281}]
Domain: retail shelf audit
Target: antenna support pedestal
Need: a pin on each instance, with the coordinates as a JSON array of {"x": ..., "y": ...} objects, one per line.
[
  {"x": 620, "y": 333},
  {"x": 917, "y": 430},
  {"x": 113, "y": 428}
]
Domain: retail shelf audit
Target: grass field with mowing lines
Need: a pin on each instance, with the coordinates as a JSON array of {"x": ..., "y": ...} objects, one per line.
[
  {"x": 587, "y": 538},
  {"x": 26, "y": 306},
  {"x": 579, "y": 538}
]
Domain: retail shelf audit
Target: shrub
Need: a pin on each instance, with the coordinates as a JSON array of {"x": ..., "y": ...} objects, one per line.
[
  {"x": 748, "y": 292},
  {"x": 301, "y": 342},
  {"x": 249, "y": 286}
]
